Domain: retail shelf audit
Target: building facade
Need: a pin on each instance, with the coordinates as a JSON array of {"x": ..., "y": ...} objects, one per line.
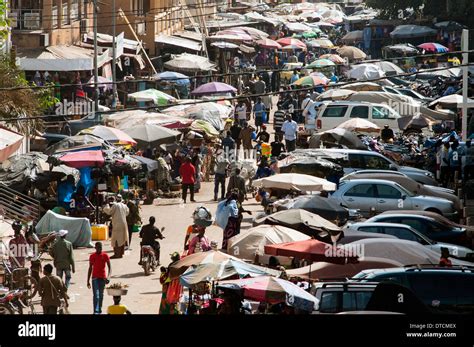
[{"x": 42, "y": 23}]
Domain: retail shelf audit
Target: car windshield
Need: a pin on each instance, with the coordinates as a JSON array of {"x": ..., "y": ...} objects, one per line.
[{"x": 405, "y": 191}]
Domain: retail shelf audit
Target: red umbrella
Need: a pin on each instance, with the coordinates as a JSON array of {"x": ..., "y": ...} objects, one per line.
[
  {"x": 83, "y": 159},
  {"x": 312, "y": 250},
  {"x": 287, "y": 41},
  {"x": 268, "y": 43}
]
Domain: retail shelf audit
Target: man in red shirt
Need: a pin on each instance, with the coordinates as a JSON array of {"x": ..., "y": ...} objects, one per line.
[
  {"x": 97, "y": 262},
  {"x": 187, "y": 171}
]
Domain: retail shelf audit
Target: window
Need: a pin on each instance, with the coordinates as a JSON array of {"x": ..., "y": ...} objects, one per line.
[
  {"x": 401, "y": 233},
  {"x": 379, "y": 112},
  {"x": 65, "y": 14},
  {"x": 360, "y": 112},
  {"x": 434, "y": 287},
  {"x": 356, "y": 161},
  {"x": 362, "y": 191},
  {"x": 369, "y": 229},
  {"x": 388, "y": 192},
  {"x": 335, "y": 111},
  {"x": 355, "y": 301},
  {"x": 375, "y": 162},
  {"x": 74, "y": 9},
  {"x": 417, "y": 224},
  {"x": 329, "y": 302}
]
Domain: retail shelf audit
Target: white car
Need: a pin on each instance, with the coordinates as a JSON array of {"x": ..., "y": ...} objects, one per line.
[
  {"x": 373, "y": 196},
  {"x": 331, "y": 114},
  {"x": 406, "y": 232}
]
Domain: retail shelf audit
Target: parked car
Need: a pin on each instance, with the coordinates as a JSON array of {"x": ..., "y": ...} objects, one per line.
[
  {"x": 335, "y": 297},
  {"x": 406, "y": 232},
  {"x": 356, "y": 160},
  {"x": 373, "y": 196},
  {"x": 432, "y": 225},
  {"x": 331, "y": 114},
  {"x": 446, "y": 289},
  {"x": 407, "y": 183},
  {"x": 407, "y": 92},
  {"x": 288, "y": 68}
]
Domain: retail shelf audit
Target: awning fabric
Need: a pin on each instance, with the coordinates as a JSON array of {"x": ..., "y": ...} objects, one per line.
[
  {"x": 60, "y": 58},
  {"x": 179, "y": 42}
]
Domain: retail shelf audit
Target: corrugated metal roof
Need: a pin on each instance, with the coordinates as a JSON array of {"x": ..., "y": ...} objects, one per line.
[{"x": 178, "y": 41}]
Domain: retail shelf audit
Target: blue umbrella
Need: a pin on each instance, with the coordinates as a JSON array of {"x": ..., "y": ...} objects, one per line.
[{"x": 172, "y": 76}]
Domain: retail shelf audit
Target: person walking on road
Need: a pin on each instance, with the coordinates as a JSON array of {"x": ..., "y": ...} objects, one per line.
[
  {"x": 290, "y": 129},
  {"x": 133, "y": 217},
  {"x": 63, "y": 256},
  {"x": 236, "y": 181},
  {"x": 97, "y": 263},
  {"x": 119, "y": 212},
  {"x": 51, "y": 289},
  {"x": 187, "y": 171},
  {"x": 246, "y": 137},
  {"x": 222, "y": 166}
]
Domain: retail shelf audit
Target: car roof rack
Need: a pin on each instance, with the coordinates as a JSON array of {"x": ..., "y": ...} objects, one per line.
[{"x": 419, "y": 267}]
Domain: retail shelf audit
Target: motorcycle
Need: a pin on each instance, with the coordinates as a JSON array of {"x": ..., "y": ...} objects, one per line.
[
  {"x": 20, "y": 278},
  {"x": 150, "y": 257},
  {"x": 15, "y": 301}
]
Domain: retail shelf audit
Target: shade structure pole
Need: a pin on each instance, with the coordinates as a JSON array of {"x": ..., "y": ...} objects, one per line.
[
  {"x": 114, "y": 57},
  {"x": 96, "y": 65},
  {"x": 465, "y": 81}
]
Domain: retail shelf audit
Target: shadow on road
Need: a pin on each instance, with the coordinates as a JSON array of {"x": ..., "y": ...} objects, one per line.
[{"x": 131, "y": 275}]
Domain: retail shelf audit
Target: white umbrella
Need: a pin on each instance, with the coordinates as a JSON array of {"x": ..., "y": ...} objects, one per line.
[
  {"x": 389, "y": 67},
  {"x": 364, "y": 72},
  {"x": 189, "y": 62},
  {"x": 148, "y": 134},
  {"x": 298, "y": 27},
  {"x": 359, "y": 125},
  {"x": 293, "y": 181},
  {"x": 247, "y": 244},
  {"x": 335, "y": 94},
  {"x": 452, "y": 101}
]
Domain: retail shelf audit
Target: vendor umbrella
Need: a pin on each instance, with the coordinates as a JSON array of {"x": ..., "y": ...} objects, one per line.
[
  {"x": 363, "y": 72},
  {"x": 152, "y": 135},
  {"x": 311, "y": 81},
  {"x": 323, "y": 43},
  {"x": 293, "y": 181},
  {"x": 320, "y": 63},
  {"x": 286, "y": 41},
  {"x": 359, "y": 125},
  {"x": 418, "y": 121},
  {"x": 250, "y": 243},
  {"x": 433, "y": 47},
  {"x": 351, "y": 52},
  {"x": 213, "y": 88},
  {"x": 336, "y": 136},
  {"x": 152, "y": 95},
  {"x": 109, "y": 134},
  {"x": 221, "y": 270},
  {"x": 173, "y": 77},
  {"x": 335, "y": 94},
  {"x": 292, "y": 48},
  {"x": 272, "y": 290},
  {"x": 311, "y": 250},
  {"x": 83, "y": 159},
  {"x": 335, "y": 58},
  {"x": 268, "y": 43},
  {"x": 195, "y": 259}
]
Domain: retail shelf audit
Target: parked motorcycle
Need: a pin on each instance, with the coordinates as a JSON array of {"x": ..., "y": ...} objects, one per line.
[
  {"x": 15, "y": 301},
  {"x": 20, "y": 278}
]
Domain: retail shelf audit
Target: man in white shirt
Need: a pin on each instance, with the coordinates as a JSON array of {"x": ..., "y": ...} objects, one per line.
[
  {"x": 290, "y": 129},
  {"x": 241, "y": 111}
]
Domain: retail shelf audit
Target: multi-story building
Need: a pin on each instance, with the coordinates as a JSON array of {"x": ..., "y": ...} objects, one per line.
[
  {"x": 150, "y": 18},
  {"x": 42, "y": 23}
]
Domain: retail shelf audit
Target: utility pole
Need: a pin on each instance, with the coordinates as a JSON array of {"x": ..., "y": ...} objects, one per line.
[
  {"x": 465, "y": 81},
  {"x": 114, "y": 58},
  {"x": 96, "y": 66}
]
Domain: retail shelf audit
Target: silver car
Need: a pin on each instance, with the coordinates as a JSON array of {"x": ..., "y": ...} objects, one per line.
[
  {"x": 406, "y": 232},
  {"x": 372, "y": 196}
]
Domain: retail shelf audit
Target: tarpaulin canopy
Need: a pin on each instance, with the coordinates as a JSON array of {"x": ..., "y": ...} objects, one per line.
[
  {"x": 272, "y": 290},
  {"x": 112, "y": 135},
  {"x": 324, "y": 208},
  {"x": 336, "y": 136},
  {"x": 210, "y": 112},
  {"x": 79, "y": 229},
  {"x": 83, "y": 159},
  {"x": 322, "y": 270},
  {"x": 149, "y": 164},
  {"x": 252, "y": 241},
  {"x": 411, "y": 31},
  {"x": 363, "y": 72},
  {"x": 222, "y": 270},
  {"x": 189, "y": 62},
  {"x": 310, "y": 166},
  {"x": 311, "y": 250},
  {"x": 10, "y": 141},
  {"x": 20, "y": 171},
  {"x": 77, "y": 143},
  {"x": 292, "y": 181}
]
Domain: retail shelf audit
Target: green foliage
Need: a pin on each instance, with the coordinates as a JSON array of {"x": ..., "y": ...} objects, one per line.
[
  {"x": 390, "y": 9},
  {"x": 3, "y": 21}
]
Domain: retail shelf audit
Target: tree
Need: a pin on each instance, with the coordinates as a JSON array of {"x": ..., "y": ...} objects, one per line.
[
  {"x": 390, "y": 9},
  {"x": 19, "y": 101}
]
